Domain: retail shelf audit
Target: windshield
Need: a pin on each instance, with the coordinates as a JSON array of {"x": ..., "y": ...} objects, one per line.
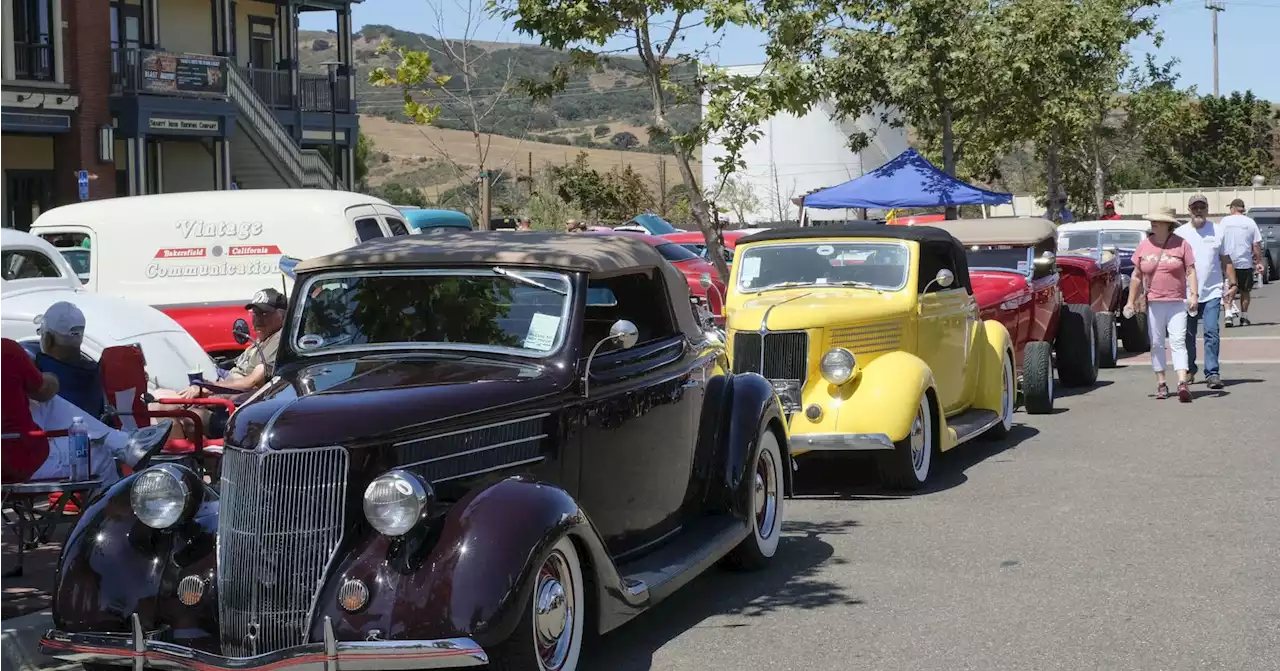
[
  {"x": 78, "y": 258},
  {"x": 1006, "y": 258},
  {"x": 880, "y": 265},
  {"x": 1089, "y": 239},
  {"x": 520, "y": 311},
  {"x": 673, "y": 252}
]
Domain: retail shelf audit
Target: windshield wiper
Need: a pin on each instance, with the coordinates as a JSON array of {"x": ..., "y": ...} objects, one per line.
[
  {"x": 519, "y": 277},
  {"x": 785, "y": 285},
  {"x": 860, "y": 285}
]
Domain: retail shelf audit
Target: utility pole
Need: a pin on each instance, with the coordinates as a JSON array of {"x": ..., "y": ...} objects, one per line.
[
  {"x": 1215, "y": 6},
  {"x": 530, "y": 174},
  {"x": 662, "y": 186}
]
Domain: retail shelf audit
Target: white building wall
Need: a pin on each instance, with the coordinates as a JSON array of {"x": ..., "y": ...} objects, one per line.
[{"x": 796, "y": 155}]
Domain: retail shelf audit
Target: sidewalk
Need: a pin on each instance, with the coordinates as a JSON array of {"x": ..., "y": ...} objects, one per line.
[{"x": 26, "y": 605}]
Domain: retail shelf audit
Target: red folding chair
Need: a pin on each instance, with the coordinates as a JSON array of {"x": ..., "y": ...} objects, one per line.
[{"x": 124, "y": 378}]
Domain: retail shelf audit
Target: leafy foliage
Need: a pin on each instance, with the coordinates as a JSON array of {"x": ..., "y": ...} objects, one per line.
[
  {"x": 624, "y": 140},
  {"x": 412, "y": 72},
  {"x": 615, "y": 196},
  {"x": 398, "y": 194}
]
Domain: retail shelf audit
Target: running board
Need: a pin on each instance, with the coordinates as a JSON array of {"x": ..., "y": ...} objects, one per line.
[
  {"x": 683, "y": 557},
  {"x": 972, "y": 423}
]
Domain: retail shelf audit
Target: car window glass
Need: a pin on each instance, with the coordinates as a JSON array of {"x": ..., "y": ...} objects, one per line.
[
  {"x": 1004, "y": 257},
  {"x": 368, "y": 229},
  {"x": 26, "y": 264},
  {"x": 640, "y": 298},
  {"x": 397, "y": 226},
  {"x": 673, "y": 252},
  {"x": 881, "y": 265}
]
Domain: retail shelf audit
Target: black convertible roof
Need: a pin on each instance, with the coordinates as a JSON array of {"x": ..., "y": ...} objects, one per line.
[{"x": 916, "y": 233}]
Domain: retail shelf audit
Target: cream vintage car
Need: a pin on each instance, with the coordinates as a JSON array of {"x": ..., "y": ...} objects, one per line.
[{"x": 872, "y": 339}]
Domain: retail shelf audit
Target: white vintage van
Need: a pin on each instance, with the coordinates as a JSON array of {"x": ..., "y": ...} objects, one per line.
[{"x": 200, "y": 256}]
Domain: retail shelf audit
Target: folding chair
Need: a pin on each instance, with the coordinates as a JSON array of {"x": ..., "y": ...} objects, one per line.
[{"x": 32, "y": 524}]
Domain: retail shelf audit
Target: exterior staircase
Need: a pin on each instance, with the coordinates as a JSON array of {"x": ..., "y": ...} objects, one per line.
[{"x": 263, "y": 154}]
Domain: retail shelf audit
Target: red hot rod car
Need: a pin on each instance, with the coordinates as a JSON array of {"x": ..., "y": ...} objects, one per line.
[{"x": 1017, "y": 279}]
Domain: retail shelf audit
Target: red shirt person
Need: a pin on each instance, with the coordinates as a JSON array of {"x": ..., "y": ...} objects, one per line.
[
  {"x": 1109, "y": 211},
  {"x": 20, "y": 383}
]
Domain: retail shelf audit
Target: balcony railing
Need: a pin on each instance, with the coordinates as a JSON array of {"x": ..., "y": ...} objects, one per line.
[
  {"x": 275, "y": 87},
  {"x": 33, "y": 61},
  {"x": 154, "y": 72},
  {"x": 314, "y": 94}
]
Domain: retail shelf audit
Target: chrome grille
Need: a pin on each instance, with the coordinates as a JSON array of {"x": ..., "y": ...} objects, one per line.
[
  {"x": 870, "y": 338},
  {"x": 783, "y": 356},
  {"x": 280, "y": 521},
  {"x": 482, "y": 449}
]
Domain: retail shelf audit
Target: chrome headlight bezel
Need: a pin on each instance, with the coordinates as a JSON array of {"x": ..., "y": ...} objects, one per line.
[
  {"x": 160, "y": 496},
  {"x": 838, "y": 366},
  {"x": 397, "y": 517}
]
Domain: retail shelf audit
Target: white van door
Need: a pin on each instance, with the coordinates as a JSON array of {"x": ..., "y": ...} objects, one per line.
[
  {"x": 368, "y": 223},
  {"x": 396, "y": 225}
]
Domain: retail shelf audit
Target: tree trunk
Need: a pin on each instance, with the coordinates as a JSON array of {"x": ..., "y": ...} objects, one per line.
[
  {"x": 1099, "y": 181},
  {"x": 948, "y": 153},
  {"x": 1053, "y": 175}
]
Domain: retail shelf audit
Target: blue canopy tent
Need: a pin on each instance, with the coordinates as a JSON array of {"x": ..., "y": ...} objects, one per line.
[{"x": 909, "y": 180}]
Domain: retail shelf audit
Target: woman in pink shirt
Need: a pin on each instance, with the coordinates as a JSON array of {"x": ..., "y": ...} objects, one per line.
[{"x": 1164, "y": 277}]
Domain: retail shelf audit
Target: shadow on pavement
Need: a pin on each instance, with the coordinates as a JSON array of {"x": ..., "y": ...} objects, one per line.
[
  {"x": 1063, "y": 391},
  {"x": 853, "y": 478},
  {"x": 792, "y": 581}
]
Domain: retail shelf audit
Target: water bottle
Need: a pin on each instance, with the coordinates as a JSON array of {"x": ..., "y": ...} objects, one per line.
[{"x": 78, "y": 442}]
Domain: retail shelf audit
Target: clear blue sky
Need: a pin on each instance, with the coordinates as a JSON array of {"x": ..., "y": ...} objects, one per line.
[{"x": 1247, "y": 36}]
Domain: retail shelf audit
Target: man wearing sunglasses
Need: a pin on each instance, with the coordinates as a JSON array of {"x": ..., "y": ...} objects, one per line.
[{"x": 256, "y": 364}]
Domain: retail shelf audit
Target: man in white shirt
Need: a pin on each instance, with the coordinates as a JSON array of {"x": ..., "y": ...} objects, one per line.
[
  {"x": 1215, "y": 281},
  {"x": 1242, "y": 241}
]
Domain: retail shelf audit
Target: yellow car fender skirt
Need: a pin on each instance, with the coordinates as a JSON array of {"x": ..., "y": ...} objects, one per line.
[
  {"x": 992, "y": 357},
  {"x": 885, "y": 396}
]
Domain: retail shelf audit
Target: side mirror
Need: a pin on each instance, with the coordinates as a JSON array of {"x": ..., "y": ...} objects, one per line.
[
  {"x": 240, "y": 331},
  {"x": 945, "y": 278},
  {"x": 287, "y": 265},
  {"x": 624, "y": 333}
]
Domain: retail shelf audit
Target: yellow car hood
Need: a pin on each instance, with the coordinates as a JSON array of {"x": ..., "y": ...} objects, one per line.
[{"x": 806, "y": 308}]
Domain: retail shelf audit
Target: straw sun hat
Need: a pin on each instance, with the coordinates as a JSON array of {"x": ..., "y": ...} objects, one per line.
[{"x": 1163, "y": 215}]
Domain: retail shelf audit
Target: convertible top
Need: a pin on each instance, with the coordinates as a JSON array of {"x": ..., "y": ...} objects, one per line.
[
  {"x": 916, "y": 233},
  {"x": 599, "y": 255},
  {"x": 1000, "y": 231}
]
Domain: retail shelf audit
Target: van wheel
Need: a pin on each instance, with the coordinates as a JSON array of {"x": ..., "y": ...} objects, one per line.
[
  {"x": 907, "y": 467},
  {"x": 1104, "y": 328},
  {"x": 1037, "y": 378},
  {"x": 1074, "y": 345}
]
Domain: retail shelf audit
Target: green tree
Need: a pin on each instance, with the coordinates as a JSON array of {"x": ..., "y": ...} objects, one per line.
[
  {"x": 614, "y": 196},
  {"x": 398, "y": 194},
  {"x": 601, "y": 130}
]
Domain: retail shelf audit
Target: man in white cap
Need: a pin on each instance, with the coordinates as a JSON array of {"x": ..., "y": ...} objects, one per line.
[
  {"x": 61, "y": 336},
  {"x": 1242, "y": 241},
  {"x": 1217, "y": 281}
]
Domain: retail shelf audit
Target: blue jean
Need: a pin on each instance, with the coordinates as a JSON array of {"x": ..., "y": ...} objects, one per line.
[{"x": 1210, "y": 313}]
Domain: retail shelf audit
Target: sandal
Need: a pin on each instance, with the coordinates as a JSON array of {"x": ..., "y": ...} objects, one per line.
[
  {"x": 1162, "y": 392},
  {"x": 1184, "y": 394}
]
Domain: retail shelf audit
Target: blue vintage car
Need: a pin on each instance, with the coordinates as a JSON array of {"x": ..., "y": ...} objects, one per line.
[{"x": 422, "y": 219}]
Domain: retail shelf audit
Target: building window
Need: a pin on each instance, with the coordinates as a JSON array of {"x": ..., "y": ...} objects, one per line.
[{"x": 33, "y": 39}]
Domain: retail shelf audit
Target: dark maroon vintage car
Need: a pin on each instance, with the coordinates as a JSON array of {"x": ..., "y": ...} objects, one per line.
[{"x": 478, "y": 448}]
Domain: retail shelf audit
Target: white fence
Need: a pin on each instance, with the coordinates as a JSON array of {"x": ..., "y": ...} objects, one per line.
[{"x": 1138, "y": 203}]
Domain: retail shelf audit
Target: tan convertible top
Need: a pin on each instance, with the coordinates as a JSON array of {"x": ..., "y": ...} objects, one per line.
[
  {"x": 594, "y": 254},
  {"x": 1000, "y": 231}
]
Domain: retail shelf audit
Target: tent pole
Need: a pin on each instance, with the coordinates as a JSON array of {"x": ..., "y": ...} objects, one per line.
[
  {"x": 802, "y": 212},
  {"x": 984, "y": 210}
]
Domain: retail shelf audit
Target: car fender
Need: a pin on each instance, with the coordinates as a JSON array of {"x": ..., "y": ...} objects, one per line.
[
  {"x": 752, "y": 406},
  {"x": 113, "y": 566},
  {"x": 994, "y": 349},
  {"x": 469, "y": 572},
  {"x": 882, "y": 399}
]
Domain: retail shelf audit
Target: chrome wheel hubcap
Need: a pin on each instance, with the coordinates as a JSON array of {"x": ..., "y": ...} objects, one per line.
[
  {"x": 917, "y": 442},
  {"x": 766, "y": 493},
  {"x": 553, "y": 612}
]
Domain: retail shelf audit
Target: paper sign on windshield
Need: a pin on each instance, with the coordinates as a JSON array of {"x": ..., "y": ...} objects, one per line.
[
  {"x": 750, "y": 270},
  {"x": 542, "y": 332}
]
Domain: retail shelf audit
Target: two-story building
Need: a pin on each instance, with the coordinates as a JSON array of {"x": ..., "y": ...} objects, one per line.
[{"x": 162, "y": 96}]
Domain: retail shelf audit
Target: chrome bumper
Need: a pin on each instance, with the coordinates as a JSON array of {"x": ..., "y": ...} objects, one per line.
[
  {"x": 140, "y": 650},
  {"x": 840, "y": 442}
]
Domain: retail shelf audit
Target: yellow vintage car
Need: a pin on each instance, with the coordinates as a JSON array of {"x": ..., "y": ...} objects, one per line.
[{"x": 871, "y": 338}]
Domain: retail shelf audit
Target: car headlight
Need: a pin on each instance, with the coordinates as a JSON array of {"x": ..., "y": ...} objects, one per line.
[
  {"x": 160, "y": 496},
  {"x": 838, "y": 366},
  {"x": 395, "y": 501}
]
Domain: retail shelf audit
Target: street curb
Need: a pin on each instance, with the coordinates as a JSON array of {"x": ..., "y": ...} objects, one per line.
[{"x": 21, "y": 643}]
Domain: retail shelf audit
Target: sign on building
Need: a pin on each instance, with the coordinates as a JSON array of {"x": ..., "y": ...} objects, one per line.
[{"x": 165, "y": 72}]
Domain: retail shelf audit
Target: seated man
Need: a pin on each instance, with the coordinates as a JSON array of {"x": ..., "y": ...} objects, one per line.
[
  {"x": 61, "y": 335},
  {"x": 31, "y": 404},
  {"x": 252, "y": 368}
]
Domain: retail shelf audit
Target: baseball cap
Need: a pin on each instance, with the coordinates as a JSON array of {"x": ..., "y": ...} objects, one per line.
[
  {"x": 267, "y": 298},
  {"x": 1197, "y": 199},
  {"x": 64, "y": 319},
  {"x": 1237, "y": 203},
  {"x": 1109, "y": 203}
]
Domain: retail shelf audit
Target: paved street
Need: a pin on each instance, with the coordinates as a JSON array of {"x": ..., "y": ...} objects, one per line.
[{"x": 1119, "y": 533}]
